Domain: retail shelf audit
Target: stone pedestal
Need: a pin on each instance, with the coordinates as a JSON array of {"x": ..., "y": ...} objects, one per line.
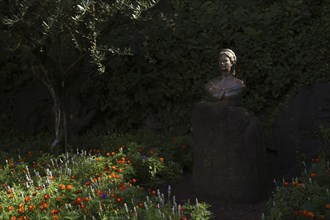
[{"x": 229, "y": 153}]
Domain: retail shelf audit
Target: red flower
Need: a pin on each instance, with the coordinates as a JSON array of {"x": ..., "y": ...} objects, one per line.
[
  {"x": 46, "y": 196},
  {"x": 79, "y": 200},
  {"x": 184, "y": 217}
]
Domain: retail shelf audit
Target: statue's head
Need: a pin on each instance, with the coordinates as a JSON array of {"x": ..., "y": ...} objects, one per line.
[{"x": 227, "y": 61}]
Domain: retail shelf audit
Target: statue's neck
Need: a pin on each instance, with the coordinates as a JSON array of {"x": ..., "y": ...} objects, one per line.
[{"x": 227, "y": 74}]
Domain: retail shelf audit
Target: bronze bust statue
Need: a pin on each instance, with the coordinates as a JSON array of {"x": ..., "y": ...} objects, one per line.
[{"x": 226, "y": 87}]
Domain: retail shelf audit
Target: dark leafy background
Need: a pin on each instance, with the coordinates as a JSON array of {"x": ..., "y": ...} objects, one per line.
[{"x": 280, "y": 45}]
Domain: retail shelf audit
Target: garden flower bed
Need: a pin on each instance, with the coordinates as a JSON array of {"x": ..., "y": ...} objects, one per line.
[
  {"x": 306, "y": 197},
  {"x": 92, "y": 184}
]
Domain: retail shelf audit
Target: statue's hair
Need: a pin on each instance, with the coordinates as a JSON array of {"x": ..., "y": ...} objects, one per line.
[{"x": 231, "y": 55}]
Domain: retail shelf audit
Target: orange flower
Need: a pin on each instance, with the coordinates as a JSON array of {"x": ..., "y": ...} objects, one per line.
[
  {"x": 99, "y": 192},
  {"x": 315, "y": 160},
  {"x": 310, "y": 214},
  {"x": 13, "y": 218},
  {"x": 56, "y": 217},
  {"x": 61, "y": 186},
  {"x": 69, "y": 187},
  {"x": 327, "y": 206},
  {"x": 31, "y": 207},
  {"x": 54, "y": 211},
  {"x": 302, "y": 185},
  {"x": 304, "y": 212},
  {"x": 46, "y": 205},
  {"x": 313, "y": 174},
  {"x": 87, "y": 199},
  {"x": 11, "y": 208},
  {"x": 161, "y": 159},
  {"x": 73, "y": 177},
  {"x": 119, "y": 199},
  {"x": 27, "y": 199},
  {"x": 21, "y": 208},
  {"x": 321, "y": 217},
  {"x": 113, "y": 167},
  {"x": 82, "y": 205},
  {"x": 51, "y": 178}
]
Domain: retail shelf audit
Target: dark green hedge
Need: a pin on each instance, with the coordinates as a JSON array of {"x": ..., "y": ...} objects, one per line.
[{"x": 279, "y": 46}]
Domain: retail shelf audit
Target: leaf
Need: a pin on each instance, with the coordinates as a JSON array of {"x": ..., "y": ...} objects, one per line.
[{"x": 81, "y": 8}]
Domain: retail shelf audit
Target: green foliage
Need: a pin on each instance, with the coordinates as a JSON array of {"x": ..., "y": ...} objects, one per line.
[
  {"x": 85, "y": 185},
  {"x": 156, "y": 158},
  {"x": 53, "y": 40},
  {"x": 280, "y": 46},
  {"x": 305, "y": 197},
  {"x": 199, "y": 211},
  {"x": 174, "y": 148}
]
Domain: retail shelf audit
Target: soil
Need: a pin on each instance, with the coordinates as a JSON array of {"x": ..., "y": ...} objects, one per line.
[{"x": 221, "y": 210}]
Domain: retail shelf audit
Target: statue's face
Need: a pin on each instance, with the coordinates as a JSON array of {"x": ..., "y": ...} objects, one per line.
[{"x": 225, "y": 63}]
